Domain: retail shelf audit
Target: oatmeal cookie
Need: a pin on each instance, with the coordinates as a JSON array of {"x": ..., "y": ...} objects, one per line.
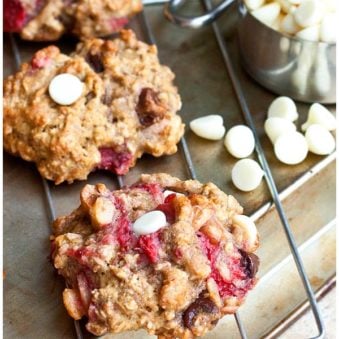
[
  {"x": 48, "y": 20},
  {"x": 127, "y": 107},
  {"x": 168, "y": 256}
]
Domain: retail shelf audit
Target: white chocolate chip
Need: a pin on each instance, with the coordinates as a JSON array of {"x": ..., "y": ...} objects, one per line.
[
  {"x": 169, "y": 192},
  {"x": 318, "y": 114},
  {"x": 283, "y": 107},
  {"x": 149, "y": 223},
  {"x": 275, "y": 127},
  {"x": 320, "y": 140},
  {"x": 277, "y": 23},
  {"x": 65, "y": 89},
  {"x": 247, "y": 175},
  {"x": 208, "y": 127},
  {"x": 245, "y": 233},
  {"x": 213, "y": 292},
  {"x": 286, "y": 6},
  {"x": 312, "y": 20},
  {"x": 239, "y": 141},
  {"x": 330, "y": 5},
  {"x": 267, "y": 14},
  {"x": 288, "y": 25},
  {"x": 311, "y": 33},
  {"x": 295, "y": 2},
  {"x": 309, "y": 13},
  {"x": 254, "y": 4},
  {"x": 328, "y": 32},
  {"x": 291, "y": 148}
]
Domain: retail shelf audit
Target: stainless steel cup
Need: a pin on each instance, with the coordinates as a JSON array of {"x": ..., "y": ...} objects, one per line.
[{"x": 303, "y": 70}]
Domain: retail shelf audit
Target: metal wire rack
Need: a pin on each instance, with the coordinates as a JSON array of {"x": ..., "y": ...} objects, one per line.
[{"x": 192, "y": 172}]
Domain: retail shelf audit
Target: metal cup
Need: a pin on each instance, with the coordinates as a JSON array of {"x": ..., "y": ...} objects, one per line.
[{"x": 303, "y": 70}]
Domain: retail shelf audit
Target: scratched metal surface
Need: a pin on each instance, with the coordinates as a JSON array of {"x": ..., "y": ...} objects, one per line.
[{"x": 32, "y": 291}]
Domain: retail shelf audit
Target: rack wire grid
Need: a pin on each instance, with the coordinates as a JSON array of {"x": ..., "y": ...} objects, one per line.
[{"x": 192, "y": 172}]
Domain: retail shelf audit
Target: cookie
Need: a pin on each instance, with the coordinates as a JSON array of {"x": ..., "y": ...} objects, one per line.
[
  {"x": 48, "y": 20},
  {"x": 168, "y": 256},
  {"x": 127, "y": 107}
]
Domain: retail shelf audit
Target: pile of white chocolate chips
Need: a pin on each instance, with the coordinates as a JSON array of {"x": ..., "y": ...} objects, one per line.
[
  {"x": 313, "y": 20},
  {"x": 290, "y": 146}
]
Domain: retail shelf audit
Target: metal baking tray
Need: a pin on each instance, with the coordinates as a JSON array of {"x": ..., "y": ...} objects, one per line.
[{"x": 32, "y": 290}]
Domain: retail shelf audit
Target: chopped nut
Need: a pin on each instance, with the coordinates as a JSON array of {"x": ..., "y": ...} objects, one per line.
[
  {"x": 213, "y": 232},
  {"x": 213, "y": 291},
  {"x": 169, "y": 315},
  {"x": 102, "y": 212},
  {"x": 201, "y": 216},
  {"x": 176, "y": 291},
  {"x": 245, "y": 233},
  {"x": 90, "y": 192},
  {"x": 73, "y": 304},
  {"x": 223, "y": 270}
]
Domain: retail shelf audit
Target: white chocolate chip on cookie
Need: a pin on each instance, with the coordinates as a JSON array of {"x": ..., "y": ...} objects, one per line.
[
  {"x": 65, "y": 89},
  {"x": 149, "y": 223},
  {"x": 169, "y": 192}
]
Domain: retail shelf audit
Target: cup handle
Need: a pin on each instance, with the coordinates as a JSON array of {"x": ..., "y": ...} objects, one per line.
[{"x": 193, "y": 21}]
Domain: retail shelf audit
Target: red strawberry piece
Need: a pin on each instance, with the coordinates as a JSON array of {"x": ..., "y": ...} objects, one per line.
[
  {"x": 117, "y": 23},
  {"x": 14, "y": 15},
  {"x": 117, "y": 162},
  {"x": 149, "y": 245}
]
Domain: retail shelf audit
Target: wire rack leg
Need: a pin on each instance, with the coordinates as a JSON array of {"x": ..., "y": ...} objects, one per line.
[{"x": 268, "y": 176}]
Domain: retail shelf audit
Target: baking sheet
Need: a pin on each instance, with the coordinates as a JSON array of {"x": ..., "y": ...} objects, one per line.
[{"x": 32, "y": 291}]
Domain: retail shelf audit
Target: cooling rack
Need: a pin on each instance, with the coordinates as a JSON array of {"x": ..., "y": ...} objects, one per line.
[{"x": 275, "y": 200}]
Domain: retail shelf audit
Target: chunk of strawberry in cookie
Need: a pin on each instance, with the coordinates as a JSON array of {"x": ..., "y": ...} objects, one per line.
[
  {"x": 116, "y": 24},
  {"x": 15, "y": 15},
  {"x": 149, "y": 245},
  {"x": 115, "y": 161}
]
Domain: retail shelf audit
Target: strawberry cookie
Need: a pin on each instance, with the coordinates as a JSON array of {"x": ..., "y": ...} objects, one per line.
[
  {"x": 48, "y": 20},
  {"x": 168, "y": 256},
  {"x": 100, "y": 108}
]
